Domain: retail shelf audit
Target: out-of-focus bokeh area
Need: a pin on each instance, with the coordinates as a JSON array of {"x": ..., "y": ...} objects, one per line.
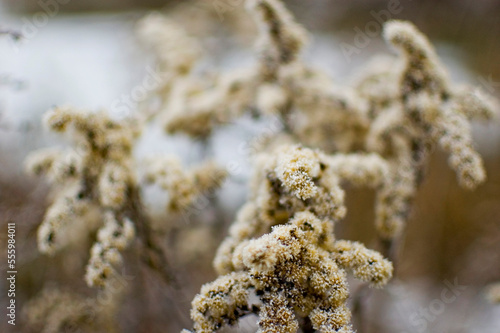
[{"x": 84, "y": 53}]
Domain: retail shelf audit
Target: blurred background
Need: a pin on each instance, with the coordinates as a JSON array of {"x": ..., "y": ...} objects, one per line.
[{"x": 85, "y": 53}]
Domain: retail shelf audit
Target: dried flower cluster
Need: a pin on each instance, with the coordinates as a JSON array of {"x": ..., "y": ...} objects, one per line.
[
  {"x": 98, "y": 175},
  {"x": 56, "y": 311},
  {"x": 424, "y": 111},
  {"x": 399, "y": 108},
  {"x": 282, "y": 246},
  {"x": 184, "y": 186},
  {"x": 295, "y": 180},
  {"x": 297, "y": 268},
  {"x": 377, "y": 132}
]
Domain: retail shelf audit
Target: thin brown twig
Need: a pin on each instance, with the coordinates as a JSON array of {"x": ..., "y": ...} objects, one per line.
[{"x": 151, "y": 253}]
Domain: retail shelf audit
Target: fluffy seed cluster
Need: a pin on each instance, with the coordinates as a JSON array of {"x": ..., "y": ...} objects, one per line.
[
  {"x": 196, "y": 103},
  {"x": 400, "y": 108},
  {"x": 276, "y": 195},
  {"x": 283, "y": 250},
  {"x": 98, "y": 175},
  {"x": 280, "y": 39},
  {"x": 423, "y": 111},
  {"x": 297, "y": 270},
  {"x": 377, "y": 132},
  {"x": 55, "y": 311},
  {"x": 184, "y": 187}
]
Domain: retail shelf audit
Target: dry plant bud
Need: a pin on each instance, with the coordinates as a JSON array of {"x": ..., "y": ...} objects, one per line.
[
  {"x": 59, "y": 118},
  {"x": 475, "y": 104},
  {"x": 281, "y": 38},
  {"x": 366, "y": 265},
  {"x": 56, "y": 165},
  {"x": 66, "y": 208},
  {"x": 184, "y": 187},
  {"x": 220, "y": 302},
  {"x": 112, "y": 238},
  {"x": 296, "y": 169},
  {"x": 113, "y": 185},
  {"x": 369, "y": 170}
]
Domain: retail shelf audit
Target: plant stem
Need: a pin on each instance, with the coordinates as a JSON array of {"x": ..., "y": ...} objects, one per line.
[
  {"x": 358, "y": 307},
  {"x": 152, "y": 254}
]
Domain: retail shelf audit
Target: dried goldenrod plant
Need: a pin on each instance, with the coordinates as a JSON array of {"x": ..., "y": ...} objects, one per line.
[
  {"x": 280, "y": 260},
  {"x": 377, "y": 132},
  {"x": 95, "y": 186},
  {"x": 98, "y": 174},
  {"x": 298, "y": 269},
  {"x": 56, "y": 311}
]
